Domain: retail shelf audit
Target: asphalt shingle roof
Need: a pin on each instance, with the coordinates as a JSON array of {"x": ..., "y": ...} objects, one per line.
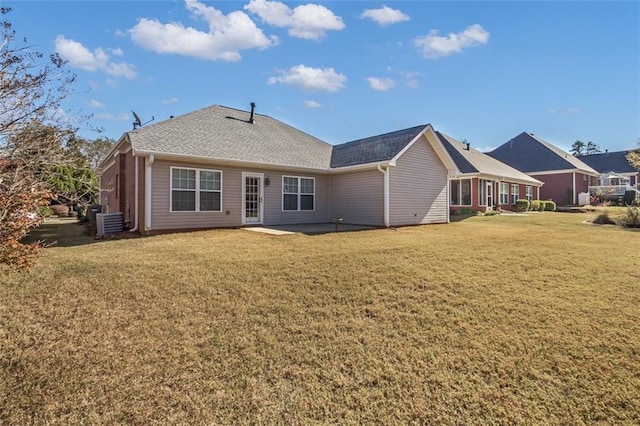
[
  {"x": 373, "y": 149},
  {"x": 529, "y": 153},
  {"x": 474, "y": 161},
  {"x": 225, "y": 133},
  {"x": 609, "y": 162}
]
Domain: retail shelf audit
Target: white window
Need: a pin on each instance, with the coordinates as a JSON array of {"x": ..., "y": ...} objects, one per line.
[
  {"x": 196, "y": 190},
  {"x": 504, "y": 193},
  {"x": 460, "y": 190},
  {"x": 515, "y": 193},
  {"x": 298, "y": 193},
  {"x": 529, "y": 193}
]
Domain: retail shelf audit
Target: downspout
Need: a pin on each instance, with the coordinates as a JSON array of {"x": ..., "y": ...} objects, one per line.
[
  {"x": 147, "y": 192},
  {"x": 135, "y": 197},
  {"x": 386, "y": 194},
  {"x": 573, "y": 196}
]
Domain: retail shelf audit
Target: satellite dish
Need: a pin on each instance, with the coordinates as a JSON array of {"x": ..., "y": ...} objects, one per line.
[{"x": 138, "y": 123}]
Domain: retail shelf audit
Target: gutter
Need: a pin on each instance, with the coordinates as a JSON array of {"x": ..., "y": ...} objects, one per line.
[
  {"x": 385, "y": 172},
  {"x": 136, "y": 196},
  {"x": 147, "y": 192}
]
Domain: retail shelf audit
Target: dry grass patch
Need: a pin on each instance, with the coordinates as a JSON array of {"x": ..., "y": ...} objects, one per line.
[{"x": 529, "y": 319}]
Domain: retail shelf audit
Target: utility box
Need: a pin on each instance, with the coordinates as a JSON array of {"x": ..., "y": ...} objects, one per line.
[
  {"x": 584, "y": 198},
  {"x": 109, "y": 223}
]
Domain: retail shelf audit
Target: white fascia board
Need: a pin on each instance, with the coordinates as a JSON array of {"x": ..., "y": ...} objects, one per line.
[
  {"x": 357, "y": 167},
  {"x": 559, "y": 172},
  {"x": 116, "y": 149},
  {"x": 231, "y": 163},
  {"x": 431, "y": 137}
]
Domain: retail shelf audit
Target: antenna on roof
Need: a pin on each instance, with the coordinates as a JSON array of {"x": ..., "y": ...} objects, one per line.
[{"x": 138, "y": 123}]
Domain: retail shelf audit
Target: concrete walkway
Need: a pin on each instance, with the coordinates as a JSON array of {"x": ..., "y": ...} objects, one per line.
[{"x": 308, "y": 229}]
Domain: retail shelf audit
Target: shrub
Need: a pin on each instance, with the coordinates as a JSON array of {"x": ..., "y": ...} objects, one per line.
[
  {"x": 492, "y": 213},
  {"x": 535, "y": 205},
  {"x": 604, "y": 219},
  {"x": 550, "y": 206},
  {"x": 463, "y": 211},
  {"x": 542, "y": 205},
  {"x": 636, "y": 202},
  {"x": 45, "y": 211},
  {"x": 522, "y": 205},
  {"x": 60, "y": 210},
  {"x": 631, "y": 219}
]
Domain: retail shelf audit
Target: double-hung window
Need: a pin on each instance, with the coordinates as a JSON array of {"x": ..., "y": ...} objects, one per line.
[
  {"x": 529, "y": 193},
  {"x": 515, "y": 193},
  {"x": 196, "y": 190},
  {"x": 504, "y": 193},
  {"x": 298, "y": 193}
]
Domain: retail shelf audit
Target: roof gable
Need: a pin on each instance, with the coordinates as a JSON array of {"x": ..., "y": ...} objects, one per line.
[
  {"x": 373, "y": 149},
  {"x": 473, "y": 161},
  {"x": 609, "y": 162},
  {"x": 529, "y": 153},
  {"x": 223, "y": 133}
]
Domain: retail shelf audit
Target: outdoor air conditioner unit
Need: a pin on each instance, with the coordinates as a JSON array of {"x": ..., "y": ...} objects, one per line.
[{"x": 109, "y": 223}]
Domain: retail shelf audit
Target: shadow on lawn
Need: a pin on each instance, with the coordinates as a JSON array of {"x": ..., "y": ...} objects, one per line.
[{"x": 61, "y": 233}]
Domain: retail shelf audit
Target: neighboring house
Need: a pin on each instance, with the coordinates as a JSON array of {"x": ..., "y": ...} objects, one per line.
[
  {"x": 612, "y": 162},
  {"x": 564, "y": 175},
  {"x": 222, "y": 167},
  {"x": 484, "y": 182}
]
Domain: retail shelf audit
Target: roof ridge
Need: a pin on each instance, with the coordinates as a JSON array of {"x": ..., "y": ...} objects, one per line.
[{"x": 381, "y": 135}]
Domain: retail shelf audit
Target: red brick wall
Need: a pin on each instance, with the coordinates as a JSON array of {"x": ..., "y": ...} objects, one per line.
[
  {"x": 475, "y": 205},
  {"x": 557, "y": 187}
]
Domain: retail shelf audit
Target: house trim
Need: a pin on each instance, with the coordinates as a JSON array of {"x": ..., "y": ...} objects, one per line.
[{"x": 557, "y": 172}]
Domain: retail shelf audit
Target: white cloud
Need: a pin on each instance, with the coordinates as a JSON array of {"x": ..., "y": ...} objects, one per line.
[
  {"x": 381, "y": 84},
  {"x": 307, "y": 21},
  {"x": 96, "y": 104},
  {"x": 411, "y": 79},
  {"x": 111, "y": 83},
  {"x": 112, "y": 117},
  {"x": 226, "y": 37},
  {"x": 312, "y": 104},
  {"x": 81, "y": 57},
  {"x": 311, "y": 79},
  {"x": 433, "y": 46},
  {"x": 170, "y": 101},
  {"x": 385, "y": 16}
]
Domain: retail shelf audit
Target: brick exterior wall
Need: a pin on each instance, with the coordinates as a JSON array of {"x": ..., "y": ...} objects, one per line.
[{"x": 477, "y": 206}]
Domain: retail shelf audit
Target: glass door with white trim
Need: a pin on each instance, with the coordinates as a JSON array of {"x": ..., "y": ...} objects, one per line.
[{"x": 252, "y": 191}]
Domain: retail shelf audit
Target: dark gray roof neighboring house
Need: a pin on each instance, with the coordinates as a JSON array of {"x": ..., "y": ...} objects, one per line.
[
  {"x": 373, "y": 149},
  {"x": 530, "y": 154},
  {"x": 227, "y": 134},
  {"x": 609, "y": 162},
  {"x": 473, "y": 162}
]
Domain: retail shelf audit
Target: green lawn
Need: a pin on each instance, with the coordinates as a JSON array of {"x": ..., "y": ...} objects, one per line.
[{"x": 492, "y": 320}]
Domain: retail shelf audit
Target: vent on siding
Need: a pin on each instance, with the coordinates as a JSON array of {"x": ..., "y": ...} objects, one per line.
[{"x": 109, "y": 223}]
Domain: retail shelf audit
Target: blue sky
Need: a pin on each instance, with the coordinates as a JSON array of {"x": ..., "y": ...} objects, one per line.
[{"x": 343, "y": 70}]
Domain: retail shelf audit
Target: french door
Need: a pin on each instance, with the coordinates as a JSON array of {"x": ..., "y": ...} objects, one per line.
[{"x": 252, "y": 193}]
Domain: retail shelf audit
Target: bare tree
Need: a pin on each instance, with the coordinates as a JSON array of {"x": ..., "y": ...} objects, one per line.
[{"x": 33, "y": 126}]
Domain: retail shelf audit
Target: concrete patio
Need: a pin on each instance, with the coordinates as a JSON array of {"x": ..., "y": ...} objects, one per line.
[{"x": 308, "y": 229}]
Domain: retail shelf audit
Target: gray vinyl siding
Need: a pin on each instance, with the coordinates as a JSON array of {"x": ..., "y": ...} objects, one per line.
[
  {"x": 273, "y": 213},
  {"x": 358, "y": 197},
  {"x": 162, "y": 218},
  {"x": 418, "y": 187}
]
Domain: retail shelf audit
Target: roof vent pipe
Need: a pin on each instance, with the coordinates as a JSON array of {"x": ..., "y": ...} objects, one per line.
[{"x": 251, "y": 119}]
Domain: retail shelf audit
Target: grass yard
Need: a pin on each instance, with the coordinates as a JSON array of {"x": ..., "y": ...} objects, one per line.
[{"x": 490, "y": 320}]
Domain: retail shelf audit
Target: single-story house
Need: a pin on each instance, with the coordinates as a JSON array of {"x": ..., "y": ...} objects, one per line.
[
  {"x": 223, "y": 167},
  {"x": 564, "y": 175},
  {"x": 613, "y": 162},
  {"x": 485, "y": 183}
]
